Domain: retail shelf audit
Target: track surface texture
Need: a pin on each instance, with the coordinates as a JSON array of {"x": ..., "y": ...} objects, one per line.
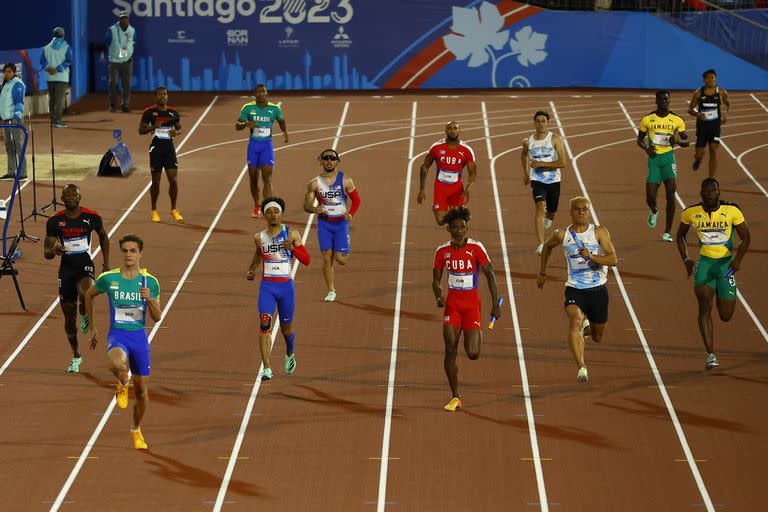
[{"x": 360, "y": 425}]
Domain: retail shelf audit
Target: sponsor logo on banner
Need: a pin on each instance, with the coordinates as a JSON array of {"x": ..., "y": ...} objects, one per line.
[
  {"x": 181, "y": 36},
  {"x": 288, "y": 41},
  {"x": 237, "y": 37},
  {"x": 340, "y": 39}
]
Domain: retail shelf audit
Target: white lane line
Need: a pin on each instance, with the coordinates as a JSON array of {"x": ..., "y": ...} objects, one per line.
[
  {"x": 680, "y": 201},
  {"x": 233, "y": 457},
  {"x": 744, "y": 167},
  {"x": 515, "y": 321},
  {"x": 21, "y": 187},
  {"x": 641, "y": 335},
  {"x": 53, "y": 305},
  {"x": 739, "y": 161},
  {"x": 385, "y": 438},
  {"x": 759, "y": 102}
]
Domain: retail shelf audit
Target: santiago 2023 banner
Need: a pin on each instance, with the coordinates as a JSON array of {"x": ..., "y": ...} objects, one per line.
[{"x": 394, "y": 44}]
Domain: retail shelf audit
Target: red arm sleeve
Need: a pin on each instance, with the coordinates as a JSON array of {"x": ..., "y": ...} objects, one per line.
[
  {"x": 301, "y": 254},
  {"x": 355, "y": 197}
]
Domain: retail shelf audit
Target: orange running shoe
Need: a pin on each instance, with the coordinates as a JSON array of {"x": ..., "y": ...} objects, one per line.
[
  {"x": 155, "y": 216},
  {"x": 138, "y": 440},
  {"x": 454, "y": 405},
  {"x": 256, "y": 212},
  {"x": 176, "y": 214},
  {"x": 121, "y": 396}
]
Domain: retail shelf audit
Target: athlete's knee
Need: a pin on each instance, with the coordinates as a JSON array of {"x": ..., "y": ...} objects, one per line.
[
  {"x": 266, "y": 323},
  {"x": 340, "y": 257},
  {"x": 473, "y": 353},
  {"x": 286, "y": 330},
  {"x": 725, "y": 314},
  {"x": 541, "y": 207}
]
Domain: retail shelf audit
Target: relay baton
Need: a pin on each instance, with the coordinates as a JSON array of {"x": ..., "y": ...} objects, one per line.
[
  {"x": 728, "y": 273},
  {"x": 493, "y": 318},
  {"x": 144, "y": 281}
]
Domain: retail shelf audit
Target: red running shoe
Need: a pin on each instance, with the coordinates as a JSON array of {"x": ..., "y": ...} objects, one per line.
[{"x": 256, "y": 212}]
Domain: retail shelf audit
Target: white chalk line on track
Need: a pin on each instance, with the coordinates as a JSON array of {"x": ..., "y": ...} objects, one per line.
[
  {"x": 639, "y": 330},
  {"x": 534, "y": 439},
  {"x": 386, "y": 434},
  {"x": 257, "y": 382},
  {"x": 680, "y": 201},
  {"x": 130, "y": 208}
]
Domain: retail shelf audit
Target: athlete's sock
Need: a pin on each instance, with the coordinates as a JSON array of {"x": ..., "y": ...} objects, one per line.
[{"x": 289, "y": 344}]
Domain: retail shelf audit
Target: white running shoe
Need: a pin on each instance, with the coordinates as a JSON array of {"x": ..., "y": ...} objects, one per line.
[
  {"x": 330, "y": 297},
  {"x": 539, "y": 248},
  {"x": 547, "y": 223},
  {"x": 711, "y": 362},
  {"x": 585, "y": 330},
  {"x": 582, "y": 376}
]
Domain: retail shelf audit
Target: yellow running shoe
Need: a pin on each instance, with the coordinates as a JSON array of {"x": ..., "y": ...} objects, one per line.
[
  {"x": 176, "y": 214},
  {"x": 155, "y": 216},
  {"x": 121, "y": 396},
  {"x": 454, "y": 405},
  {"x": 138, "y": 440}
]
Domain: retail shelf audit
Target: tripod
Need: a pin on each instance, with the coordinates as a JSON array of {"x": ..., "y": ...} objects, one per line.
[
  {"x": 16, "y": 190},
  {"x": 54, "y": 201},
  {"x": 34, "y": 213}
]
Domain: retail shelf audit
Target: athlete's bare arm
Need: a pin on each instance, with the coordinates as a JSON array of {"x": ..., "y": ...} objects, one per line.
[
  {"x": 89, "y": 295},
  {"x": 52, "y": 247},
  {"x": 471, "y": 177},
  {"x": 349, "y": 185},
  {"x": 743, "y": 231},
  {"x": 524, "y": 161},
  {"x": 175, "y": 130},
  {"x": 423, "y": 178},
  {"x": 556, "y": 239},
  {"x": 281, "y": 123},
  {"x": 104, "y": 244},
  {"x": 727, "y": 103},
  {"x": 604, "y": 239},
  {"x": 145, "y": 128},
  {"x": 153, "y": 304},
  {"x": 310, "y": 206},
  {"x": 683, "y": 142},
  {"x": 695, "y": 103},
  {"x": 242, "y": 125},
  {"x": 256, "y": 260},
  {"x": 642, "y": 144},
  {"x": 437, "y": 276},
  {"x": 682, "y": 247},
  {"x": 491, "y": 277}
]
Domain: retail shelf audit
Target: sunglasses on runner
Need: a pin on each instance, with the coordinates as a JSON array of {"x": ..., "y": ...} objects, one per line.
[{"x": 328, "y": 157}]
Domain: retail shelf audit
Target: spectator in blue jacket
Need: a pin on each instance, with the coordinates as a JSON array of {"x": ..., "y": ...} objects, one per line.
[
  {"x": 56, "y": 61},
  {"x": 12, "y": 112},
  {"x": 120, "y": 39}
]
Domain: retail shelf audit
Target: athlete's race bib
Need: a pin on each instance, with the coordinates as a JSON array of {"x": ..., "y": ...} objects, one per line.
[
  {"x": 661, "y": 139},
  {"x": 461, "y": 281},
  {"x": 263, "y": 131},
  {"x": 122, "y": 53},
  {"x": 713, "y": 237},
  {"x": 76, "y": 245},
  {"x": 277, "y": 269},
  {"x": 129, "y": 314},
  {"x": 710, "y": 115},
  {"x": 333, "y": 210},
  {"x": 447, "y": 176},
  {"x": 163, "y": 133}
]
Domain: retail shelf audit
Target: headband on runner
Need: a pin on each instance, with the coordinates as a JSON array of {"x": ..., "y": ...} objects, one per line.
[{"x": 271, "y": 204}]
